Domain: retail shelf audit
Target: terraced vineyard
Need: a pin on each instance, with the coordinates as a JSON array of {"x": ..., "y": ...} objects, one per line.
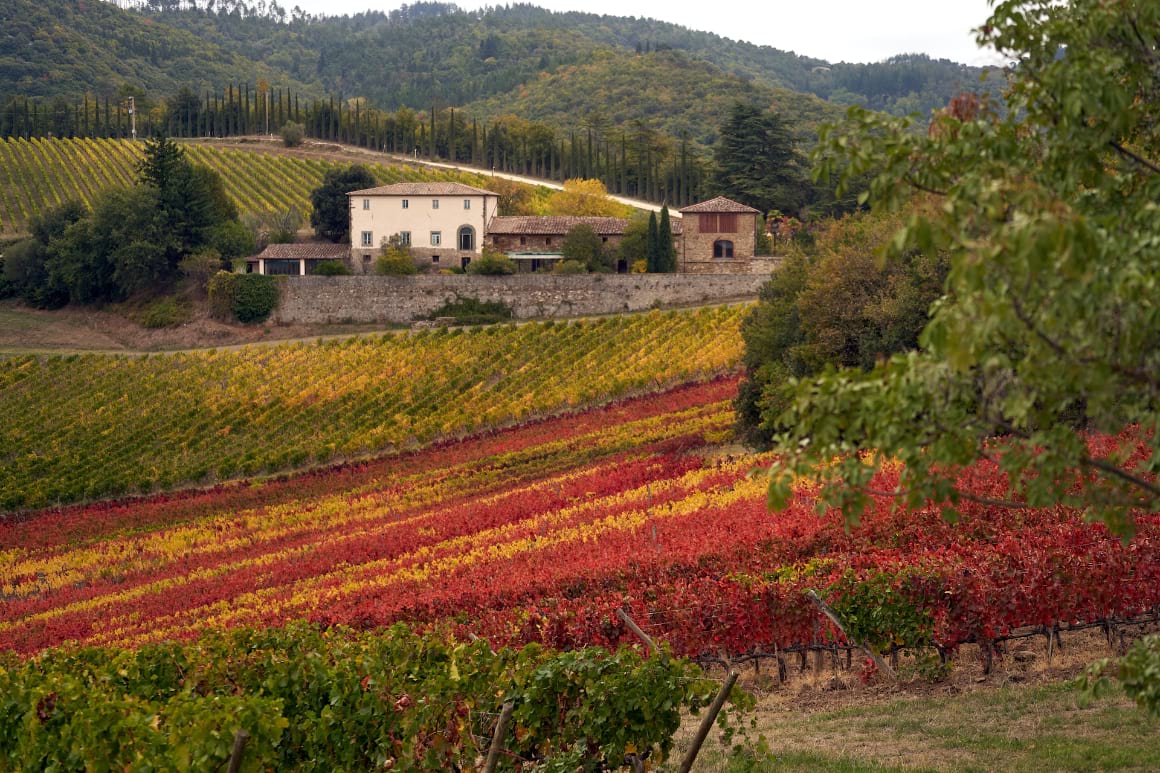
[
  {"x": 91, "y": 426},
  {"x": 39, "y": 173}
]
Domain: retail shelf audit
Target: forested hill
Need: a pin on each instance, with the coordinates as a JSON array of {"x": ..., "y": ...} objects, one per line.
[
  {"x": 70, "y": 47},
  {"x": 417, "y": 56},
  {"x": 667, "y": 91}
]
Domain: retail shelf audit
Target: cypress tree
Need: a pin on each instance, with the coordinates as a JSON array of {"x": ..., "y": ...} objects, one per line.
[
  {"x": 652, "y": 251},
  {"x": 666, "y": 253}
]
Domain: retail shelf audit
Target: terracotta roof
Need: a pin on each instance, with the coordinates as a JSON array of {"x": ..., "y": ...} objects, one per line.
[
  {"x": 719, "y": 204},
  {"x": 551, "y": 226},
  {"x": 559, "y": 226},
  {"x": 306, "y": 250},
  {"x": 423, "y": 189}
]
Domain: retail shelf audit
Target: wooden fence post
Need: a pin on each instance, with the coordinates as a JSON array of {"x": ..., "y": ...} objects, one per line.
[
  {"x": 707, "y": 723},
  {"x": 837, "y": 620},
  {"x": 505, "y": 716},
  {"x": 240, "y": 739},
  {"x": 632, "y": 626}
]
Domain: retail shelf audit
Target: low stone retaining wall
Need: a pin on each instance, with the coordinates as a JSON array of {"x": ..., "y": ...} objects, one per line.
[{"x": 401, "y": 300}]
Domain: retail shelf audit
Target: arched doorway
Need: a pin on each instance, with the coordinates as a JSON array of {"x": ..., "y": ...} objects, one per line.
[{"x": 467, "y": 238}]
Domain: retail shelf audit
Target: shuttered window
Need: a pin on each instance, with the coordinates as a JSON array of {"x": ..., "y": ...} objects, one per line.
[{"x": 719, "y": 223}]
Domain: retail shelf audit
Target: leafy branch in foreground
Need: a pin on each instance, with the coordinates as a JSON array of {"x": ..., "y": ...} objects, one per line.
[{"x": 1049, "y": 214}]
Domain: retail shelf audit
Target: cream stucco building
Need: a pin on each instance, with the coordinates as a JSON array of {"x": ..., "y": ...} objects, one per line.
[{"x": 444, "y": 224}]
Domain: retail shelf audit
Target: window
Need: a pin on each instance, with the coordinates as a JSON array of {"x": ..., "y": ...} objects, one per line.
[
  {"x": 366, "y": 203},
  {"x": 368, "y": 239},
  {"x": 282, "y": 267},
  {"x": 548, "y": 241},
  {"x": 467, "y": 203},
  {"x": 523, "y": 240},
  {"x": 406, "y": 204},
  {"x": 436, "y": 238},
  {"x": 722, "y": 248},
  {"x": 434, "y": 258},
  {"x": 434, "y": 203},
  {"x": 467, "y": 238},
  {"x": 405, "y": 238}
]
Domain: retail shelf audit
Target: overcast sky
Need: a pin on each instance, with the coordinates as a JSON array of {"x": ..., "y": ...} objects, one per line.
[{"x": 835, "y": 30}]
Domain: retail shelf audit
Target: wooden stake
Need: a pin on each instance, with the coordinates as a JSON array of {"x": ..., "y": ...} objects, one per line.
[
  {"x": 240, "y": 739},
  {"x": 505, "y": 716},
  {"x": 707, "y": 723},
  {"x": 632, "y": 626},
  {"x": 836, "y": 620}
]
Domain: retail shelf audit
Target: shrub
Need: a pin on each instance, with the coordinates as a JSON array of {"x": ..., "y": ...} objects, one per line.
[
  {"x": 395, "y": 259},
  {"x": 292, "y": 134},
  {"x": 255, "y": 297},
  {"x": 247, "y": 298},
  {"x": 492, "y": 263},
  {"x": 332, "y": 268},
  {"x": 221, "y": 296},
  {"x": 200, "y": 266},
  {"x": 472, "y": 311},
  {"x": 569, "y": 267},
  {"x": 164, "y": 312}
]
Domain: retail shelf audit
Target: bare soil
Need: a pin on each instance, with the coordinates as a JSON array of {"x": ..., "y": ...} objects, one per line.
[{"x": 80, "y": 329}]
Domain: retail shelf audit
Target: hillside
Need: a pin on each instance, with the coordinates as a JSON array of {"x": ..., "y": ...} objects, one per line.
[
  {"x": 685, "y": 97},
  {"x": 40, "y": 173},
  {"x": 67, "y": 48},
  {"x": 426, "y": 54}
]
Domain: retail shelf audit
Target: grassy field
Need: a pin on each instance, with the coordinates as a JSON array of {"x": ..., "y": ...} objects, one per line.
[{"x": 1023, "y": 718}]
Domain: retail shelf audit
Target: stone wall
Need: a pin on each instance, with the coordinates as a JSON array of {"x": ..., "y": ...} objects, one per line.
[
  {"x": 762, "y": 265},
  {"x": 321, "y": 299}
]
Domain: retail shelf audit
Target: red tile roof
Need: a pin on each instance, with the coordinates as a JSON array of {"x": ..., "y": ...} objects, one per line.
[
  {"x": 551, "y": 226},
  {"x": 305, "y": 250},
  {"x": 423, "y": 189},
  {"x": 529, "y": 225},
  {"x": 720, "y": 204}
]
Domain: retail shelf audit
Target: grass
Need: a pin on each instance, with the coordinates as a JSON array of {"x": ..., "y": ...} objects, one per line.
[{"x": 1015, "y": 728}]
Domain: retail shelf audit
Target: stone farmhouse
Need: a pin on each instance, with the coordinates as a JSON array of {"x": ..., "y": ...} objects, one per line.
[{"x": 446, "y": 225}]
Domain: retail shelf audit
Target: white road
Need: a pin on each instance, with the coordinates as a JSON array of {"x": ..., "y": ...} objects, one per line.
[{"x": 647, "y": 206}]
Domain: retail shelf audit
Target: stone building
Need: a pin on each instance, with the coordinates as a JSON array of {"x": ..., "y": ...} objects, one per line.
[
  {"x": 718, "y": 237},
  {"x": 443, "y": 223}
]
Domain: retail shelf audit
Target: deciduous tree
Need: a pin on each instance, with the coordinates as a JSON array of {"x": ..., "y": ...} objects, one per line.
[
  {"x": 1048, "y": 213},
  {"x": 331, "y": 209}
]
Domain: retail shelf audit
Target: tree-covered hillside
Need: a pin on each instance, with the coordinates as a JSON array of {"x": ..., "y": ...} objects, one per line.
[
  {"x": 67, "y": 48},
  {"x": 418, "y": 56},
  {"x": 667, "y": 91}
]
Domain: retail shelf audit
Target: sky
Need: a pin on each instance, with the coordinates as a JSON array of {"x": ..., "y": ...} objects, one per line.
[{"x": 834, "y": 30}]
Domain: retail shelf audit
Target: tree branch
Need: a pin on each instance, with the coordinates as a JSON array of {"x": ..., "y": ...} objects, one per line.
[
  {"x": 924, "y": 188},
  {"x": 1134, "y": 157},
  {"x": 1122, "y": 474}
]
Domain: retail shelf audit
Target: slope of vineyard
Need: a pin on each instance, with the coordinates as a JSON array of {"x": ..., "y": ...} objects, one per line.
[
  {"x": 38, "y": 173},
  {"x": 92, "y": 426},
  {"x": 541, "y": 532}
]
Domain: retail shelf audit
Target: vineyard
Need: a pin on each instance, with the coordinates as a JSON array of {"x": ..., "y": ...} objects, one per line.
[
  {"x": 37, "y": 174},
  {"x": 93, "y": 426},
  {"x": 540, "y": 533}
]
